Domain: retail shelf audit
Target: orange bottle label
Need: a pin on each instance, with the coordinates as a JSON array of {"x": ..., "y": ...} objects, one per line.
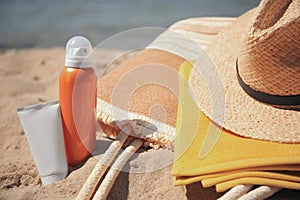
[{"x": 77, "y": 95}]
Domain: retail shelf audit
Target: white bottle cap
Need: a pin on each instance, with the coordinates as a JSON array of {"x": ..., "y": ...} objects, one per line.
[{"x": 78, "y": 53}]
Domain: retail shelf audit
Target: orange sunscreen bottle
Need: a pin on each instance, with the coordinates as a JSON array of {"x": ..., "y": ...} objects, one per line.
[{"x": 77, "y": 96}]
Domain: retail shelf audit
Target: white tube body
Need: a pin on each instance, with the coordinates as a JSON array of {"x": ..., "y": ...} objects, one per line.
[{"x": 43, "y": 129}]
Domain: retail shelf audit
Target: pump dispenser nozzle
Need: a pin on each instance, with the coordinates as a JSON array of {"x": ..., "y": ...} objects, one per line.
[{"x": 78, "y": 52}]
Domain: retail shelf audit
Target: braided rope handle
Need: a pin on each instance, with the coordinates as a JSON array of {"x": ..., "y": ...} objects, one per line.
[
  {"x": 89, "y": 187},
  {"x": 236, "y": 192},
  {"x": 260, "y": 193},
  {"x": 114, "y": 171},
  {"x": 241, "y": 192}
]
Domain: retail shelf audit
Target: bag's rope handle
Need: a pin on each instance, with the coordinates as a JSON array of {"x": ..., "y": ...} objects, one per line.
[
  {"x": 90, "y": 185},
  {"x": 241, "y": 192},
  {"x": 114, "y": 171}
]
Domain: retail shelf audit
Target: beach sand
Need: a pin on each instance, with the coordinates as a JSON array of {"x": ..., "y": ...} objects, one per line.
[{"x": 30, "y": 76}]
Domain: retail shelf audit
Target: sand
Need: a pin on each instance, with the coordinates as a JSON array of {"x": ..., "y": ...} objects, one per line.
[{"x": 30, "y": 76}]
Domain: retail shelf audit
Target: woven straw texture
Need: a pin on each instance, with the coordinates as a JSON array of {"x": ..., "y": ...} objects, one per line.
[
  {"x": 139, "y": 86},
  {"x": 242, "y": 114},
  {"x": 135, "y": 86},
  {"x": 146, "y": 85},
  {"x": 270, "y": 60}
]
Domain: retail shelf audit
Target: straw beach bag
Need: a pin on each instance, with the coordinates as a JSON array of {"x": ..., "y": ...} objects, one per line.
[{"x": 145, "y": 87}]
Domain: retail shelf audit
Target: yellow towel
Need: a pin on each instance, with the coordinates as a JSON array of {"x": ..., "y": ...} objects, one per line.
[
  {"x": 292, "y": 176},
  {"x": 229, "y": 160}
]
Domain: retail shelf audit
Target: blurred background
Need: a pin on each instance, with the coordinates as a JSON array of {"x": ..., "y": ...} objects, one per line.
[{"x": 46, "y": 23}]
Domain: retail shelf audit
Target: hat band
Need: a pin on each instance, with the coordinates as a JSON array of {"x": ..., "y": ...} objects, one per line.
[{"x": 291, "y": 100}]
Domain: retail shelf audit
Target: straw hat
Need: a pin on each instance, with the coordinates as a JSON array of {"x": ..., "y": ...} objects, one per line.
[{"x": 258, "y": 61}]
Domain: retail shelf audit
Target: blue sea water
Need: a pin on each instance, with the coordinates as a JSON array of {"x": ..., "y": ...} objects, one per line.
[{"x": 46, "y": 23}]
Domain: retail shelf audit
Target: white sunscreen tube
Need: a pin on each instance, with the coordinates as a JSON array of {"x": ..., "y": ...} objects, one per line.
[{"x": 43, "y": 129}]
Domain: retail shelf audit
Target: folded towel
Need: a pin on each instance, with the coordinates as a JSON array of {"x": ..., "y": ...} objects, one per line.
[{"x": 232, "y": 160}]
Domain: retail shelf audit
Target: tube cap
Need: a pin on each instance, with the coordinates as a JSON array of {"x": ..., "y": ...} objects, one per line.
[{"x": 78, "y": 53}]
